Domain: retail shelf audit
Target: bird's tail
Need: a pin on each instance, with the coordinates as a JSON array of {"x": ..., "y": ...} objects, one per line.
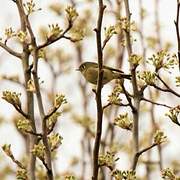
[{"x": 122, "y": 75}]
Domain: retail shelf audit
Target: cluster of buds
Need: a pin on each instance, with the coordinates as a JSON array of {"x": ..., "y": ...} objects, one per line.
[
  {"x": 21, "y": 174},
  {"x": 124, "y": 24},
  {"x": 51, "y": 121},
  {"x": 178, "y": 81},
  {"x": 147, "y": 77},
  {"x": 124, "y": 121},
  {"x": 173, "y": 114},
  {"x": 107, "y": 160},
  {"x": 54, "y": 31},
  {"x": 163, "y": 59},
  {"x": 109, "y": 32},
  {"x": 135, "y": 59},
  {"x": 22, "y": 36},
  {"x": 30, "y": 7},
  {"x": 41, "y": 53},
  {"x": 12, "y": 98},
  {"x": 55, "y": 140},
  {"x": 114, "y": 97},
  {"x": 123, "y": 175},
  {"x": 159, "y": 137},
  {"x": 7, "y": 149},
  {"x": 71, "y": 14},
  {"x": 39, "y": 151},
  {"x": 24, "y": 125},
  {"x": 168, "y": 174},
  {"x": 9, "y": 33},
  {"x": 59, "y": 100}
]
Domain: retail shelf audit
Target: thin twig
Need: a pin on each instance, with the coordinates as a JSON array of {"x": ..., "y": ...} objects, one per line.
[
  {"x": 30, "y": 98},
  {"x": 176, "y": 22},
  {"x": 50, "y": 41},
  {"x": 127, "y": 97},
  {"x": 136, "y": 94},
  {"x": 168, "y": 88},
  {"x": 138, "y": 154},
  {"x": 21, "y": 111},
  {"x": 42, "y": 115},
  {"x": 98, "y": 92},
  {"x": 11, "y": 51},
  {"x": 116, "y": 104},
  {"x": 155, "y": 103}
]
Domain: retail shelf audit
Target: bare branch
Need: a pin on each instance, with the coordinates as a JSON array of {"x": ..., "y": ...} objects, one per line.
[
  {"x": 176, "y": 22},
  {"x": 98, "y": 92},
  {"x": 10, "y": 51},
  {"x": 168, "y": 88},
  {"x": 116, "y": 104},
  {"x": 136, "y": 94},
  {"x": 48, "y": 42},
  {"x": 138, "y": 154},
  {"x": 155, "y": 103}
]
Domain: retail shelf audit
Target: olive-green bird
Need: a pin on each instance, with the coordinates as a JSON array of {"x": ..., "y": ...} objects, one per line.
[{"x": 90, "y": 72}]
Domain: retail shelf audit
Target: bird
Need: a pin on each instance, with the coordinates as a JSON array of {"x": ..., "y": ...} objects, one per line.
[{"x": 90, "y": 72}]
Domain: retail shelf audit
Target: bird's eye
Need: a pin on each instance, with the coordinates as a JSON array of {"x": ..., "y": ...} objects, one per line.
[{"x": 83, "y": 67}]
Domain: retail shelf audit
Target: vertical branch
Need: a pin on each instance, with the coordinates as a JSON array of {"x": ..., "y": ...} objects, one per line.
[
  {"x": 176, "y": 22},
  {"x": 158, "y": 34},
  {"x": 98, "y": 92},
  {"x": 29, "y": 95},
  {"x": 42, "y": 114},
  {"x": 141, "y": 33},
  {"x": 25, "y": 25},
  {"x": 137, "y": 96}
]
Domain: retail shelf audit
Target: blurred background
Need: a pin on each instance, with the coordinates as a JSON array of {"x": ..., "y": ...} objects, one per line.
[{"x": 154, "y": 31}]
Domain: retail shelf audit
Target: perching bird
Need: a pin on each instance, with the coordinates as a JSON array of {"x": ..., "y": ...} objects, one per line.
[{"x": 90, "y": 72}]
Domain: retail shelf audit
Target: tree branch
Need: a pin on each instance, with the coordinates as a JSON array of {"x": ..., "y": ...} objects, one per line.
[
  {"x": 168, "y": 88},
  {"x": 98, "y": 92},
  {"x": 48, "y": 42},
  {"x": 138, "y": 154},
  {"x": 10, "y": 51},
  {"x": 155, "y": 103},
  {"x": 176, "y": 22},
  {"x": 136, "y": 94}
]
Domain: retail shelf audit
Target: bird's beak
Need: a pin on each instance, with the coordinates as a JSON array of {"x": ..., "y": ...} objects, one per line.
[{"x": 77, "y": 69}]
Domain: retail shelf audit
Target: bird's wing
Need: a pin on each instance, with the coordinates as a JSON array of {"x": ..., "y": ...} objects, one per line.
[
  {"x": 95, "y": 65},
  {"x": 113, "y": 69}
]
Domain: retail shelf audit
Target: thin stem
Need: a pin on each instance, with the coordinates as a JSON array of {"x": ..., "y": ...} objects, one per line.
[
  {"x": 42, "y": 115},
  {"x": 38, "y": 94},
  {"x": 11, "y": 51},
  {"x": 155, "y": 103},
  {"x": 50, "y": 41},
  {"x": 176, "y": 22},
  {"x": 138, "y": 154},
  {"x": 136, "y": 94},
  {"x": 98, "y": 92},
  {"x": 30, "y": 98},
  {"x": 168, "y": 88}
]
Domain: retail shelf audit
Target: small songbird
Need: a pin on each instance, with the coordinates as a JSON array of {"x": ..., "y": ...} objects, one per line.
[{"x": 90, "y": 72}]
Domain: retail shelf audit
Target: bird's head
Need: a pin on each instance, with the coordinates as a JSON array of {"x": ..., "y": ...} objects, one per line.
[{"x": 84, "y": 66}]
